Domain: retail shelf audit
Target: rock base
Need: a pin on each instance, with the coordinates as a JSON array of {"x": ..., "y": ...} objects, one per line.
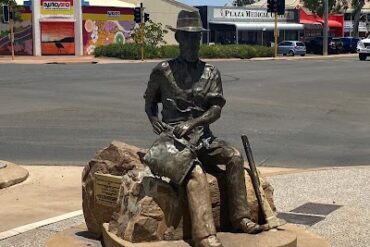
[{"x": 273, "y": 238}]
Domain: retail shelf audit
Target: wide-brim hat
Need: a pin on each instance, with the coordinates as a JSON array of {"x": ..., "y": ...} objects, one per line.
[{"x": 188, "y": 21}]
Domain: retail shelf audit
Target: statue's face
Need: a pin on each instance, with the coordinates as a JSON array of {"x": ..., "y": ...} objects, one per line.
[{"x": 189, "y": 45}]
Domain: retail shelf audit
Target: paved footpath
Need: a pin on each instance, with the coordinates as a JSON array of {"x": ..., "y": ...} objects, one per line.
[
  {"x": 330, "y": 202},
  {"x": 106, "y": 60}
]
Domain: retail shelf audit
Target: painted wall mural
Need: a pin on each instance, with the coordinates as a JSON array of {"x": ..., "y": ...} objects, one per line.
[
  {"x": 57, "y": 38},
  {"x": 105, "y": 25},
  {"x": 23, "y": 44}
]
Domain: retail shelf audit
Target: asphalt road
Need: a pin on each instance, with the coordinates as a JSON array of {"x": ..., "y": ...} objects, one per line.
[{"x": 303, "y": 113}]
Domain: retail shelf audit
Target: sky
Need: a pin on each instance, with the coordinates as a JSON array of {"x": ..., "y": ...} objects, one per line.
[{"x": 205, "y": 2}]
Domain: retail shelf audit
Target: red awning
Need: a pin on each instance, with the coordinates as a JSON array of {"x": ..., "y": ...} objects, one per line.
[
  {"x": 311, "y": 19},
  {"x": 333, "y": 23},
  {"x": 306, "y": 21}
]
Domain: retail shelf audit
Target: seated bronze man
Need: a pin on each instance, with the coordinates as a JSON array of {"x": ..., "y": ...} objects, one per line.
[{"x": 191, "y": 95}]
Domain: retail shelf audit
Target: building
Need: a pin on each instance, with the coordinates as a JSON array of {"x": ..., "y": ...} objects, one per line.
[
  {"x": 364, "y": 25},
  {"x": 313, "y": 24},
  {"x": 77, "y": 27},
  {"x": 247, "y": 25}
]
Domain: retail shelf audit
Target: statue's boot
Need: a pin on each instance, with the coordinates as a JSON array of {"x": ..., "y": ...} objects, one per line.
[
  {"x": 200, "y": 209},
  {"x": 248, "y": 226},
  {"x": 237, "y": 196},
  {"x": 211, "y": 241}
]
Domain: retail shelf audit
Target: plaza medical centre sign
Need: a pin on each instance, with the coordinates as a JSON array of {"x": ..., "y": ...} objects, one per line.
[
  {"x": 57, "y": 7},
  {"x": 249, "y": 14}
]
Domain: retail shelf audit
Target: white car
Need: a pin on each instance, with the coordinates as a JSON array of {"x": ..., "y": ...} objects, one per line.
[{"x": 363, "y": 48}]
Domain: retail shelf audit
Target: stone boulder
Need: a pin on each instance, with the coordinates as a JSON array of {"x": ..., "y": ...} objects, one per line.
[
  {"x": 149, "y": 208},
  {"x": 152, "y": 209},
  {"x": 117, "y": 159}
]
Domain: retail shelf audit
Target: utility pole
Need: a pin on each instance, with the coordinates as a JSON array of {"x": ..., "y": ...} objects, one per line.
[
  {"x": 326, "y": 28},
  {"x": 278, "y": 8},
  {"x": 11, "y": 23},
  {"x": 276, "y": 35},
  {"x": 142, "y": 30}
]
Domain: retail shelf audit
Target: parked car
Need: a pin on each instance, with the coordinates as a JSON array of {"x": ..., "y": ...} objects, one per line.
[
  {"x": 292, "y": 47},
  {"x": 314, "y": 45},
  {"x": 349, "y": 44},
  {"x": 363, "y": 48}
]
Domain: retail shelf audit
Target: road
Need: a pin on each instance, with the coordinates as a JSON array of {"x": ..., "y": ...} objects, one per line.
[{"x": 303, "y": 113}]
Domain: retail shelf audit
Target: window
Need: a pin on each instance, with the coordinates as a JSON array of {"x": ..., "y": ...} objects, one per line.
[{"x": 348, "y": 17}]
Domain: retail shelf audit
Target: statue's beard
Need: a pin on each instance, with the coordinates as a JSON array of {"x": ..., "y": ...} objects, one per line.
[{"x": 190, "y": 54}]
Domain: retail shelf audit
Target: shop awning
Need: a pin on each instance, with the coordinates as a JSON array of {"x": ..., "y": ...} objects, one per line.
[
  {"x": 261, "y": 26},
  {"x": 310, "y": 24},
  {"x": 332, "y": 23}
]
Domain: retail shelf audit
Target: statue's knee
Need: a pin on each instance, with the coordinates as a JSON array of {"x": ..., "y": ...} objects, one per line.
[{"x": 236, "y": 158}]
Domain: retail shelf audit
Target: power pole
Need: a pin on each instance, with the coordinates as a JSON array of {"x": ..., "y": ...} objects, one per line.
[
  {"x": 11, "y": 22},
  {"x": 278, "y": 8},
  {"x": 9, "y": 18},
  {"x": 142, "y": 30},
  {"x": 276, "y": 35},
  {"x": 326, "y": 28}
]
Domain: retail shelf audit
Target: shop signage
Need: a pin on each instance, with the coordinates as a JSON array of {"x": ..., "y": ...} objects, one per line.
[
  {"x": 54, "y": 5},
  {"x": 248, "y": 14},
  {"x": 57, "y": 8},
  {"x": 113, "y": 13}
]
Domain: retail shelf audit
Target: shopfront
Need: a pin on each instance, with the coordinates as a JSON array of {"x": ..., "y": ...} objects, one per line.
[
  {"x": 363, "y": 26},
  {"x": 68, "y": 27},
  {"x": 57, "y": 27},
  {"x": 230, "y": 25},
  {"x": 313, "y": 25}
]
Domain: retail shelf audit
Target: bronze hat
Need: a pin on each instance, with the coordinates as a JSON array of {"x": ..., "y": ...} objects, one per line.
[{"x": 189, "y": 21}]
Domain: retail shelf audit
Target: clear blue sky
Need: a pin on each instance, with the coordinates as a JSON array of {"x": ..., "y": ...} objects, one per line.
[{"x": 205, "y": 2}]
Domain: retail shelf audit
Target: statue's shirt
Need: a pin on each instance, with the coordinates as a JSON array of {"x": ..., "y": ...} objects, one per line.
[{"x": 186, "y": 90}]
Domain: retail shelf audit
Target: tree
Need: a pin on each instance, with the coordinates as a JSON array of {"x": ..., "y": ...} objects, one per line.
[
  {"x": 243, "y": 2},
  {"x": 153, "y": 34},
  {"x": 357, "y": 6},
  {"x": 317, "y": 6},
  {"x": 15, "y": 15}
]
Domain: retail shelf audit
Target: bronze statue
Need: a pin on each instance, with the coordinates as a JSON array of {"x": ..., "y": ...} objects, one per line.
[{"x": 191, "y": 94}]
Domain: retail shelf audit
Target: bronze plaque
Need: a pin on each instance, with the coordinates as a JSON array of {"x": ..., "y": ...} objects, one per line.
[{"x": 106, "y": 188}]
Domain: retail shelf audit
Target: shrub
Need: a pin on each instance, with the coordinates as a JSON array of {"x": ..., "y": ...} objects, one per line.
[
  {"x": 132, "y": 51},
  {"x": 169, "y": 51}
]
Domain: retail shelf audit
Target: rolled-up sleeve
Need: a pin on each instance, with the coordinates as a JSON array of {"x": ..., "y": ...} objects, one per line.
[
  {"x": 215, "y": 94},
  {"x": 153, "y": 92}
]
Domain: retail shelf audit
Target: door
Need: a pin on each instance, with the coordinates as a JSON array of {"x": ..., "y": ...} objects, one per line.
[
  {"x": 57, "y": 38},
  {"x": 283, "y": 48}
]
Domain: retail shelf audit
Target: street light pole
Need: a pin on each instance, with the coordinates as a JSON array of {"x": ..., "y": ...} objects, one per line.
[
  {"x": 142, "y": 30},
  {"x": 276, "y": 35},
  {"x": 326, "y": 28}
]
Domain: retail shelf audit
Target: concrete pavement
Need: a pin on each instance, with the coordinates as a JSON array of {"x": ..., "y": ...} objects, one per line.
[{"x": 331, "y": 202}]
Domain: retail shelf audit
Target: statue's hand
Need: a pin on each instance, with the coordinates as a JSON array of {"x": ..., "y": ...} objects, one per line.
[
  {"x": 158, "y": 126},
  {"x": 183, "y": 129}
]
